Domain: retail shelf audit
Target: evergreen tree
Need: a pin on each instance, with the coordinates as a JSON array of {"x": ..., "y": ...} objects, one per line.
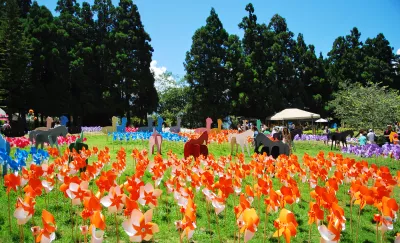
[
  {"x": 135, "y": 81},
  {"x": 378, "y": 61},
  {"x": 258, "y": 77},
  {"x": 24, "y": 6},
  {"x": 15, "y": 70},
  {"x": 104, "y": 75},
  {"x": 207, "y": 73},
  {"x": 345, "y": 59},
  {"x": 44, "y": 58},
  {"x": 288, "y": 88}
]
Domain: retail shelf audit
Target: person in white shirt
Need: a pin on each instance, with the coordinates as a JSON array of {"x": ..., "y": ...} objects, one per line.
[{"x": 371, "y": 136}]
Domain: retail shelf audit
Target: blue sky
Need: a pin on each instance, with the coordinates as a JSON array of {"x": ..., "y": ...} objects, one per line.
[{"x": 171, "y": 24}]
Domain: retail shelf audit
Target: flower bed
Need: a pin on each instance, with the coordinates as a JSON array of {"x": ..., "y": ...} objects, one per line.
[
  {"x": 373, "y": 150},
  {"x": 23, "y": 142},
  {"x": 91, "y": 129}
]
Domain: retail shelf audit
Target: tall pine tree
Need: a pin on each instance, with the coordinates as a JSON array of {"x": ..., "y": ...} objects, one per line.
[
  {"x": 258, "y": 79},
  {"x": 133, "y": 55},
  {"x": 207, "y": 73},
  {"x": 15, "y": 69}
]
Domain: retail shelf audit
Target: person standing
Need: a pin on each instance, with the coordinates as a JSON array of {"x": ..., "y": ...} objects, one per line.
[
  {"x": 387, "y": 132},
  {"x": 286, "y": 138},
  {"x": 326, "y": 133},
  {"x": 362, "y": 139},
  {"x": 371, "y": 137}
]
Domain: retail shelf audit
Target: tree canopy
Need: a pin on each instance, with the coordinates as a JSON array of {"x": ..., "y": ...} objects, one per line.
[
  {"x": 93, "y": 62},
  {"x": 370, "y": 106}
]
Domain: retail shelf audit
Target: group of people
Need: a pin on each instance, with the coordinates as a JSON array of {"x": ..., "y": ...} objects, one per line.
[{"x": 284, "y": 132}]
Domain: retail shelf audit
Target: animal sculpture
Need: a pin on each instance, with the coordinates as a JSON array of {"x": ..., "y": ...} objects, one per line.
[
  {"x": 149, "y": 127},
  {"x": 177, "y": 128},
  {"x": 338, "y": 137},
  {"x": 245, "y": 125},
  {"x": 50, "y": 136},
  {"x": 112, "y": 128},
  {"x": 6, "y": 147},
  {"x": 121, "y": 128},
  {"x": 78, "y": 146},
  {"x": 219, "y": 129},
  {"x": 155, "y": 140},
  {"x": 63, "y": 120},
  {"x": 240, "y": 139},
  {"x": 227, "y": 124},
  {"x": 196, "y": 147},
  {"x": 207, "y": 128},
  {"x": 274, "y": 148},
  {"x": 160, "y": 121},
  {"x": 49, "y": 121}
]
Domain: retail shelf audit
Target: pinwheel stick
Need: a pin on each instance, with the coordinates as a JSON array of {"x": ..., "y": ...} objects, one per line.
[
  {"x": 359, "y": 222},
  {"x": 219, "y": 234},
  {"x": 265, "y": 224},
  {"x": 377, "y": 235},
  {"x": 116, "y": 226},
  {"x": 9, "y": 211},
  {"x": 309, "y": 234},
  {"x": 209, "y": 220},
  {"x": 351, "y": 215}
]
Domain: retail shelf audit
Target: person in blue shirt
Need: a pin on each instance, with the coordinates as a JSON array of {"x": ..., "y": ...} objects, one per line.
[{"x": 362, "y": 140}]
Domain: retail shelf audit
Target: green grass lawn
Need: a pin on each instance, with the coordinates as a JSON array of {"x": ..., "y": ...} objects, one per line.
[{"x": 165, "y": 214}]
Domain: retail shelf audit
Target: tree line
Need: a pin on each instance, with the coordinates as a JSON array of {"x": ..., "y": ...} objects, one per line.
[
  {"x": 271, "y": 69},
  {"x": 93, "y": 62}
]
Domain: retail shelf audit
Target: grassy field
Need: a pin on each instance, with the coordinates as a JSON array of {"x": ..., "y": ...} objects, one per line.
[{"x": 165, "y": 214}]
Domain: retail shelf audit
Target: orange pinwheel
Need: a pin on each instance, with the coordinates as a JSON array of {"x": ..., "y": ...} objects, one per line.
[
  {"x": 286, "y": 225},
  {"x": 149, "y": 195},
  {"x": 49, "y": 227},
  {"x": 315, "y": 214},
  {"x": 114, "y": 201},
  {"x": 139, "y": 226},
  {"x": 12, "y": 181},
  {"x": 248, "y": 222},
  {"x": 24, "y": 209}
]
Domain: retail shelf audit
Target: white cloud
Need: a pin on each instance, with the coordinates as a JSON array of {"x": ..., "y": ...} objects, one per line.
[
  {"x": 158, "y": 71},
  {"x": 398, "y": 52},
  {"x": 161, "y": 81}
]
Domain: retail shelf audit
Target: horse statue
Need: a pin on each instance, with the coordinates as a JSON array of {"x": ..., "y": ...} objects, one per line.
[
  {"x": 217, "y": 130},
  {"x": 63, "y": 120},
  {"x": 270, "y": 147},
  {"x": 6, "y": 147},
  {"x": 340, "y": 137},
  {"x": 160, "y": 122},
  {"x": 50, "y": 136},
  {"x": 177, "y": 128},
  {"x": 258, "y": 125},
  {"x": 196, "y": 147},
  {"x": 201, "y": 130},
  {"x": 240, "y": 139},
  {"x": 149, "y": 127},
  {"x": 155, "y": 140},
  {"x": 113, "y": 128},
  {"x": 227, "y": 124},
  {"x": 121, "y": 128},
  {"x": 78, "y": 146}
]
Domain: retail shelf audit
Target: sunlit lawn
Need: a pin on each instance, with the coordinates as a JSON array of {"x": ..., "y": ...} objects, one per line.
[{"x": 166, "y": 213}]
